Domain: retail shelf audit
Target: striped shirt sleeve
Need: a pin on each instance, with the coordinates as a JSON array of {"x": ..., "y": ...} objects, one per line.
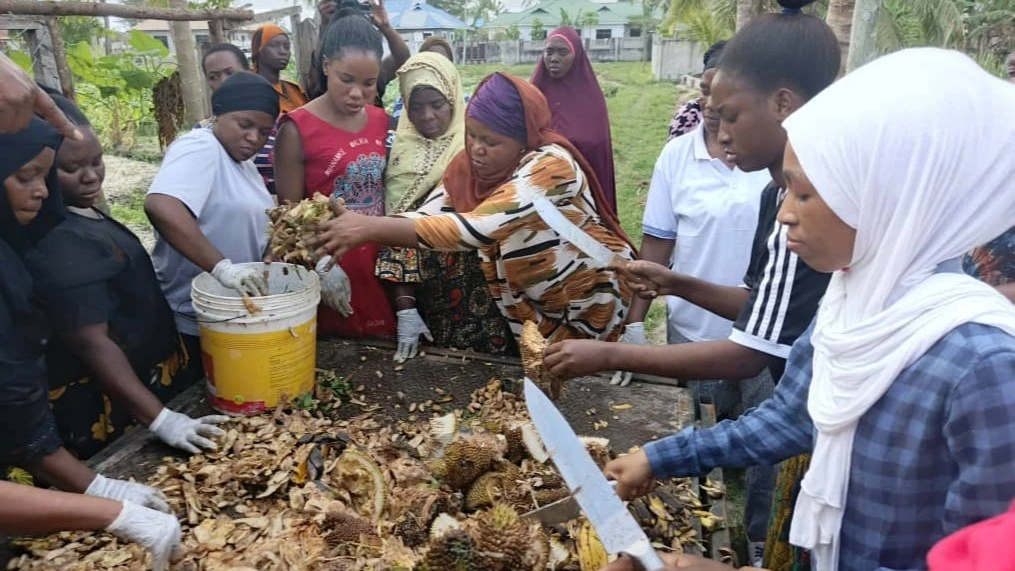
[{"x": 784, "y": 291}]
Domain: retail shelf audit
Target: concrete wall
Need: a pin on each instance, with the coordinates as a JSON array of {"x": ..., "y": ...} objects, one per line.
[
  {"x": 616, "y": 49},
  {"x": 588, "y": 32},
  {"x": 672, "y": 59}
]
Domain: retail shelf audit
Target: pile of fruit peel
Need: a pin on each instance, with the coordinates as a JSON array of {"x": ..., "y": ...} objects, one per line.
[
  {"x": 300, "y": 492},
  {"x": 292, "y": 227}
]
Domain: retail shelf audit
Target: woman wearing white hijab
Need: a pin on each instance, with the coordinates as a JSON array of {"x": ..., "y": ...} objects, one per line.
[
  {"x": 914, "y": 196},
  {"x": 905, "y": 387}
]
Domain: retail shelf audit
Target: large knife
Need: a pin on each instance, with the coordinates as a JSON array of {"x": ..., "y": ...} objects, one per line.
[
  {"x": 615, "y": 526},
  {"x": 567, "y": 230}
]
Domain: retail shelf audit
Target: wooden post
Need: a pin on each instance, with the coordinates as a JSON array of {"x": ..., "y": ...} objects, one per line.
[
  {"x": 174, "y": 13},
  {"x": 186, "y": 63},
  {"x": 840, "y": 20},
  {"x": 294, "y": 27},
  {"x": 108, "y": 40},
  {"x": 306, "y": 38},
  {"x": 43, "y": 61},
  {"x": 216, "y": 32},
  {"x": 62, "y": 68}
]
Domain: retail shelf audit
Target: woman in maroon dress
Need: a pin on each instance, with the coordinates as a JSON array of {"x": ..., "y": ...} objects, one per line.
[
  {"x": 565, "y": 76},
  {"x": 334, "y": 145}
]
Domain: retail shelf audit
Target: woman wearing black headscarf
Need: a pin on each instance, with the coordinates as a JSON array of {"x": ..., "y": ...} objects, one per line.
[
  {"x": 29, "y": 207},
  {"x": 114, "y": 355},
  {"x": 209, "y": 205}
]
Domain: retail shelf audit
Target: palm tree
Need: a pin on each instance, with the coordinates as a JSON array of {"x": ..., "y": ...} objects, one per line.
[
  {"x": 883, "y": 26},
  {"x": 840, "y": 20},
  {"x": 701, "y": 15},
  {"x": 747, "y": 9}
]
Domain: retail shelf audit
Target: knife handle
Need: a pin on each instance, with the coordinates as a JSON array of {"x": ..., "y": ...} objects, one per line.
[{"x": 646, "y": 556}]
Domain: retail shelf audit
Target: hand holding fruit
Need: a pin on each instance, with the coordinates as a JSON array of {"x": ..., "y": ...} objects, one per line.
[
  {"x": 341, "y": 234},
  {"x": 649, "y": 280},
  {"x": 633, "y": 474}
]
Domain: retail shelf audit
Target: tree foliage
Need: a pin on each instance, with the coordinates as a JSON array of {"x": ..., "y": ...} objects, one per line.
[
  {"x": 537, "y": 32},
  {"x": 75, "y": 29},
  {"x": 983, "y": 28},
  {"x": 472, "y": 12},
  {"x": 115, "y": 91}
]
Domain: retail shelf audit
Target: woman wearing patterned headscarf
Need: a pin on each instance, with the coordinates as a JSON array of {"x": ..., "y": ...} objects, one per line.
[
  {"x": 512, "y": 156},
  {"x": 447, "y": 287},
  {"x": 565, "y": 76}
]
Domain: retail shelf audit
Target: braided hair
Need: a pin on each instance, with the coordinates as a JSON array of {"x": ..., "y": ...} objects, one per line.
[
  {"x": 350, "y": 29},
  {"x": 787, "y": 49}
]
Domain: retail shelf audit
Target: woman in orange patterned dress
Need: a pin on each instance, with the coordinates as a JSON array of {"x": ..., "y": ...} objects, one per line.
[{"x": 485, "y": 205}]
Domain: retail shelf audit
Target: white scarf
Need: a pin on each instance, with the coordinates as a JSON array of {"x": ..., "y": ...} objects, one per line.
[{"x": 916, "y": 151}]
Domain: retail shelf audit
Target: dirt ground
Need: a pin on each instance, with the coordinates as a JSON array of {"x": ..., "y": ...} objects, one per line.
[{"x": 126, "y": 182}]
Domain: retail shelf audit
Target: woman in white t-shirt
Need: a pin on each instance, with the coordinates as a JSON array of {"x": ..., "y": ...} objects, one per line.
[{"x": 208, "y": 203}]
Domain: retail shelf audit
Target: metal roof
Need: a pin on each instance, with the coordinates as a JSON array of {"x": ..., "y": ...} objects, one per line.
[{"x": 416, "y": 15}]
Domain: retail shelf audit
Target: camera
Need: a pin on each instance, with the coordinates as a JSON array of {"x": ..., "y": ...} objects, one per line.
[{"x": 362, "y": 7}]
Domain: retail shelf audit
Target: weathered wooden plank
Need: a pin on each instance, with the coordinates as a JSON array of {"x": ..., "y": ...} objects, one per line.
[
  {"x": 719, "y": 541},
  {"x": 40, "y": 45},
  {"x": 69, "y": 8},
  {"x": 118, "y": 459},
  {"x": 63, "y": 72}
]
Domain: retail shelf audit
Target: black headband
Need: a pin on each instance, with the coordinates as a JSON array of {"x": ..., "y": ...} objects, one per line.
[{"x": 245, "y": 92}]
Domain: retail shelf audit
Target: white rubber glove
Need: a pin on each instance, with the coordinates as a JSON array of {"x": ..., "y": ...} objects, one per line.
[
  {"x": 248, "y": 280},
  {"x": 190, "y": 434},
  {"x": 336, "y": 291},
  {"x": 157, "y": 532},
  {"x": 410, "y": 328},
  {"x": 123, "y": 491},
  {"x": 634, "y": 333}
]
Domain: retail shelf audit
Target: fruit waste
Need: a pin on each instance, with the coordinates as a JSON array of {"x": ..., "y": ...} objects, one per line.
[
  {"x": 295, "y": 491},
  {"x": 291, "y": 228},
  {"x": 532, "y": 344}
]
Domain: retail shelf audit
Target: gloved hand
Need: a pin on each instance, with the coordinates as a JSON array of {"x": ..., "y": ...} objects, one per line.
[
  {"x": 336, "y": 291},
  {"x": 190, "y": 434},
  {"x": 247, "y": 280},
  {"x": 410, "y": 327},
  {"x": 157, "y": 532},
  {"x": 633, "y": 333},
  {"x": 121, "y": 490}
]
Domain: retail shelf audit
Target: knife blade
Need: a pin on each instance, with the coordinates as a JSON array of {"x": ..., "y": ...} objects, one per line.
[
  {"x": 615, "y": 526},
  {"x": 558, "y": 512},
  {"x": 567, "y": 230}
]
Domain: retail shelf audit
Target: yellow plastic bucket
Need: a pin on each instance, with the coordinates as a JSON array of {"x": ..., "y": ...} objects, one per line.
[{"x": 255, "y": 352}]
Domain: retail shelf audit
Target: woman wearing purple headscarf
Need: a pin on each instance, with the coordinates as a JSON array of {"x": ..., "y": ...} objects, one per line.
[
  {"x": 565, "y": 76},
  {"x": 485, "y": 205}
]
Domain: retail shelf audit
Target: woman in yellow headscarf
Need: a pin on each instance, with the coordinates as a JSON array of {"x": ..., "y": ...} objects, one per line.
[{"x": 441, "y": 296}]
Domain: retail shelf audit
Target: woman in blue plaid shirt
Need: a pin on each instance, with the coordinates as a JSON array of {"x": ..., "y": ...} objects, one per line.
[{"x": 903, "y": 387}]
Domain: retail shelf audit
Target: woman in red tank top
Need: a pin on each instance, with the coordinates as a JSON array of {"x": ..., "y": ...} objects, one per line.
[{"x": 335, "y": 145}]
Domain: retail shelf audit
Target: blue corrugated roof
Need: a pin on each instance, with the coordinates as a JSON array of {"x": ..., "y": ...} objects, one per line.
[{"x": 415, "y": 15}]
